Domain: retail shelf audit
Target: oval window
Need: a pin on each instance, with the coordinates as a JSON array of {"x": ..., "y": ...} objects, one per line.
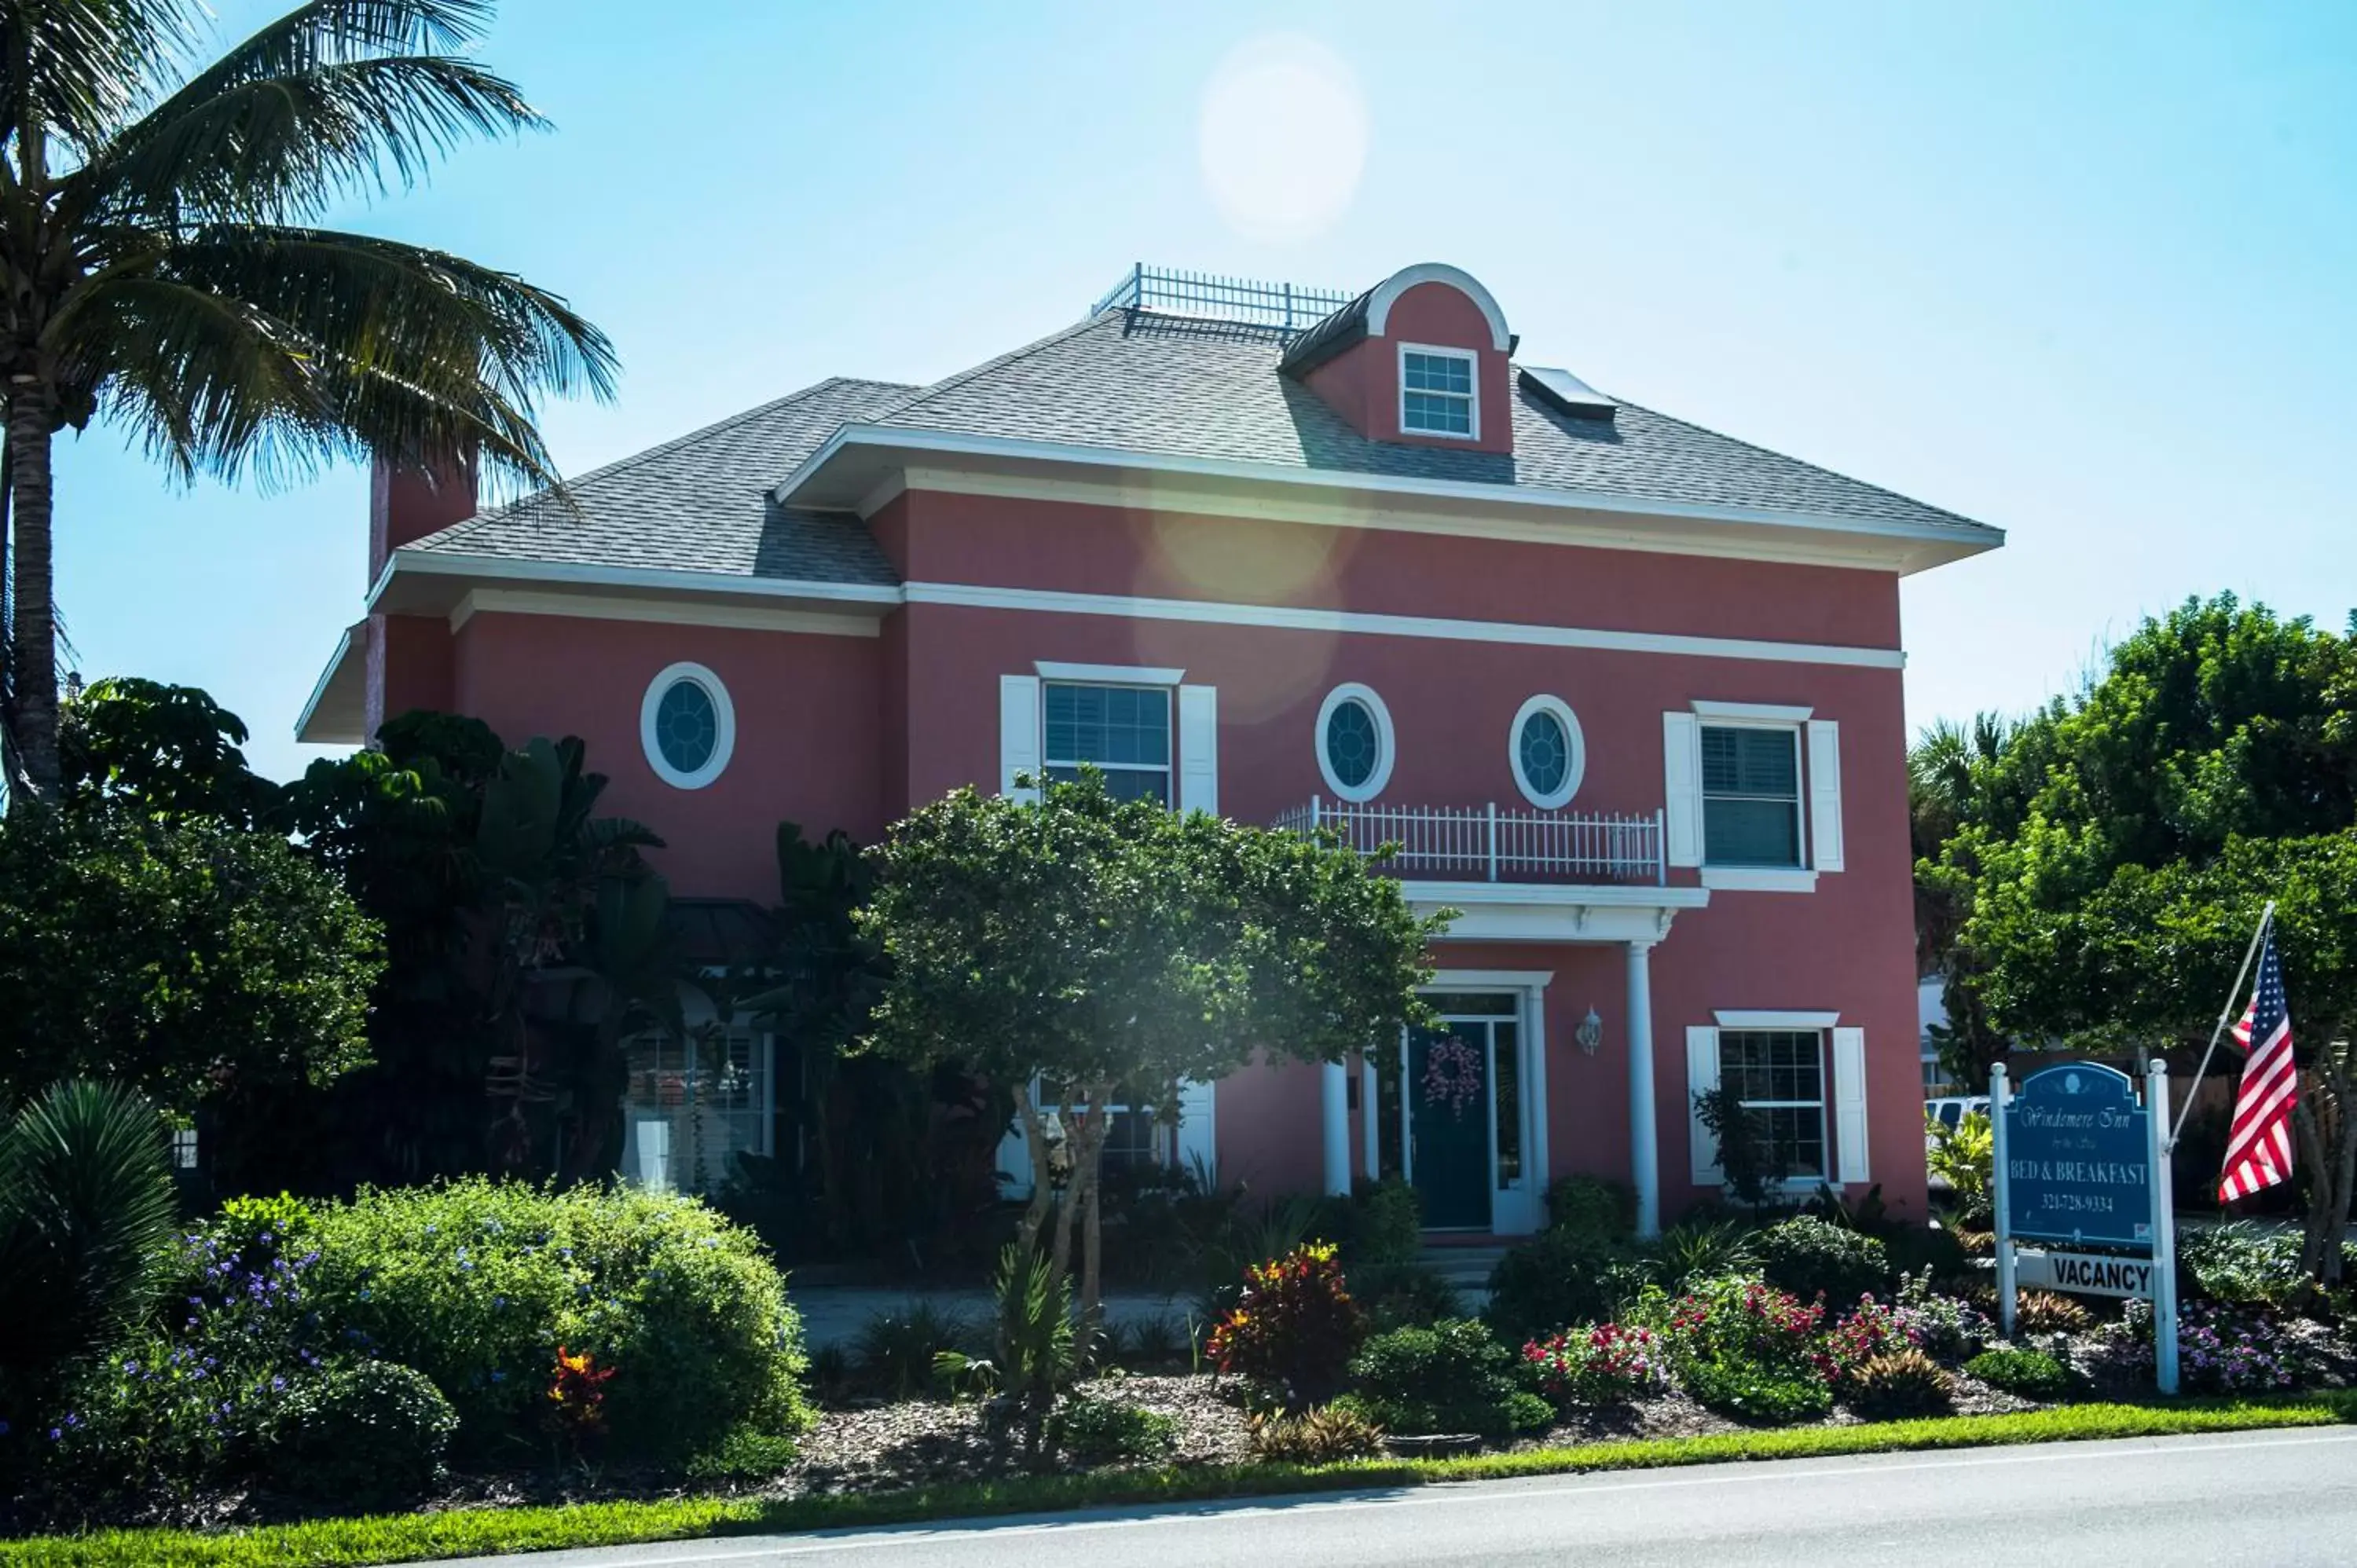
[
  {"x": 1547, "y": 752},
  {"x": 1354, "y": 742},
  {"x": 688, "y": 726}
]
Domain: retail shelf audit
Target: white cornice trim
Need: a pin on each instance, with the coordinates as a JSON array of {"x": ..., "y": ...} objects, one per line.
[
  {"x": 1293, "y": 618},
  {"x": 662, "y": 579},
  {"x": 660, "y": 612},
  {"x": 1387, "y": 293},
  {"x": 1968, "y": 538},
  {"x": 1108, "y": 674},
  {"x": 1453, "y": 979},
  {"x": 1773, "y": 1019},
  {"x": 1758, "y": 712},
  {"x": 319, "y": 694},
  {"x": 1536, "y": 912}
]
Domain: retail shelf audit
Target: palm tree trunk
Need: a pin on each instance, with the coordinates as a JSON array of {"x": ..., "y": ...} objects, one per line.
[{"x": 34, "y": 651}]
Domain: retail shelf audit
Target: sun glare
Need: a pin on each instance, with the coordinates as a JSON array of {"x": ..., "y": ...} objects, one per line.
[{"x": 1283, "y": 138}]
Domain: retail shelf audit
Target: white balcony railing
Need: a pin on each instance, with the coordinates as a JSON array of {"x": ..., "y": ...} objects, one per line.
[{"x": 1488, "y": 844}]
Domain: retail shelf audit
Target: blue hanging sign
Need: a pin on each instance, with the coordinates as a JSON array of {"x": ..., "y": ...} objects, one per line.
[{"x": 2078, "y": 1154}]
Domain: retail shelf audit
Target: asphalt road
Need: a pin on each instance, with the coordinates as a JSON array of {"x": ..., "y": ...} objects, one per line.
[{"x": 2282, "y": 1499}]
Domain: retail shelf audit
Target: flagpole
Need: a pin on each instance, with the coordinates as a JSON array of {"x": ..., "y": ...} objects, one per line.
[{"x": 2266, "y": 918}]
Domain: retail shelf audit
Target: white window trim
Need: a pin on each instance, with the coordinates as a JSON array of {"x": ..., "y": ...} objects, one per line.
[
  {"x": 1170, "y": 769},
  {"x": 1472, "y": 401},
  {"x": 1577, "y": 742},
  {"x": 1752, "y": 713},
  {"x": 1760, "y": 878},
  {"x": 1771, "y": 1019},
  {"x": 1107, "y": 674},
  {"x": 724, "y": 725},
  {"x": 1386, "y": 742}
]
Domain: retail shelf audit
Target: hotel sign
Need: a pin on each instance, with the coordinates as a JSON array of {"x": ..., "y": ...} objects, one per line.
[
  {"x": 2089, "y": 1274},
  {"x": 2078, "y": 1160}
]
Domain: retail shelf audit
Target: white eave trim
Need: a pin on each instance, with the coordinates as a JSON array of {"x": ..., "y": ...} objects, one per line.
[
  {"x": 414, "y": 563},
  {"x": 344, "y": 648},
  {"x": 1773, "y": 1019},
  {"x": 1539, "y": 912},
  {"x": 1972, "y": 537},
  {"x": 1108, "y": 674}
]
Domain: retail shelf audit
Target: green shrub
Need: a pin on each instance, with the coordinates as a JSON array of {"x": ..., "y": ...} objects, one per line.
[
  {"x": 1385, "y": 1224},
  {"x": 1751, "y": 1390},
  {"x": 1404, "y": 1295},
  {"x": 1102, "y": 1432},
  {"x": 1295, "y": 1327},
  {"x": 477, "y": 1283},
  {"x": 2032, "y": 1374},
  {"x": 366, "y": 1436},
  {"x": 1590, "y": 1206},
  {"x": 895, "y": 1349},
  {"x": 1558, "y": 1278},
  {"x": 1900, "y": 1382},
  {"x": 1451, "y": 1377},
  {"x": 1917, "y": 1248},
  {"x": 1327, "y": 1435},
  {"x": 1808, "y": 1257},
  {"x": 2240, "y": 1264}
]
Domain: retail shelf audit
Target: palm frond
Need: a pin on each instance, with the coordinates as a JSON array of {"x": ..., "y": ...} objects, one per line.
[
  {"x": 73, "y": 70},
  {"x": 282, "y": 147}
]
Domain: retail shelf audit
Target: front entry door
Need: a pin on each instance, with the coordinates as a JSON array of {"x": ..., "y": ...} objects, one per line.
[{"x": 1448, "y": 1127}]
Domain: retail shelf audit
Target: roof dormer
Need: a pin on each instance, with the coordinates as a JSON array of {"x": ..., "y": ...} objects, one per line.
[{"x": 1420, "y": 358}]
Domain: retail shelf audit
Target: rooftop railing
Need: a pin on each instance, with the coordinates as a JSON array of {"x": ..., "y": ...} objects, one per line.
[
  {"x": 1213, "y": 298},
  {"x": 1490, "y": 843}
]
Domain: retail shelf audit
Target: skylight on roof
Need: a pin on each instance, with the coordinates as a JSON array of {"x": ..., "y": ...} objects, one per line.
[{"x": 1209, "y": 297}]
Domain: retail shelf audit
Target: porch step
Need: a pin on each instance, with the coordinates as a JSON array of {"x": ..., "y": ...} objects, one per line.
[{"x": 1467, "y": 1270}]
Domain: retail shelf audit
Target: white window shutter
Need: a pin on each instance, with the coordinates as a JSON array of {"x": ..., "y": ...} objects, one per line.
[
  {"x": 1702, "y": 1077},
  {"x": 1014, "y": 1165},
  {"x": 1018, "y": 733},
  {"x": 1198, "y": 750},
  {"x": 1199, "y": 1148},
  {"x": 1681, "y": 782},
  {"x": 1850, "y": 1105},
  {"x": 1825, "y": 795}
]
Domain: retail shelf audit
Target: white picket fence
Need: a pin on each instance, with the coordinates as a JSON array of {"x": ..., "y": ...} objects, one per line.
[{"x": 1487, "y": 844}]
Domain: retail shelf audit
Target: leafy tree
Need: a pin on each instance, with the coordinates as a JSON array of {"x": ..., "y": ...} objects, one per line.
[
  {"x": 163, "y": 268},
  {"x": 1108, "y": 950},
  {"x": 2110, "y": 861},
  {"x": 163, "y": 751},
  {"x": 190, "y": 960}
]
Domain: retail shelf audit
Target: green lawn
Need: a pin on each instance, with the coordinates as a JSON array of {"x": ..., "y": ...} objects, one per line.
[{"x": 334, "y": 1543}]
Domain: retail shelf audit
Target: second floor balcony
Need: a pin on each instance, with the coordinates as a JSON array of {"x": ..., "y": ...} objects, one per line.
[{"x": 1490, "y": 842}]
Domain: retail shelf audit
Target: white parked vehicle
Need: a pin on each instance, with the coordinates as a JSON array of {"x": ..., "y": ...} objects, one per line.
[{"x": 1947, "y": 1111}]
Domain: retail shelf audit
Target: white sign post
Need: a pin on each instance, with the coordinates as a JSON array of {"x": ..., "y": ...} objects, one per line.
[{"x": 2081, "y": 1170}]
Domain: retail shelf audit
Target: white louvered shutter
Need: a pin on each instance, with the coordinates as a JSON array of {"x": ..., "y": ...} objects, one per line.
[
  {"x": 1199, "y": 1147},
  {"x": 1018, "y": 733},
  {"x": 1849, "y": 1106},
  {"x": 1198, "y": 750},
  {"x": 1702, "y": 1077},
  {"x": 1682, "y": 784},
  {"x": 1825, "y": 795}
]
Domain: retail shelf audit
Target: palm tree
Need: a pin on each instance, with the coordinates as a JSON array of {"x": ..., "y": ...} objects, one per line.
[{"x": 160, "y": 267}]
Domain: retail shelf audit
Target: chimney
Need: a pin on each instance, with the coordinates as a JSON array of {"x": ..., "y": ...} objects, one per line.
[{"x": 405, "y": 504}]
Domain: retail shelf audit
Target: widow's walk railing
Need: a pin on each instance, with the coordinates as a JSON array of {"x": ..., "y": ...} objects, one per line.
[{"x": 1493, "y": 843}]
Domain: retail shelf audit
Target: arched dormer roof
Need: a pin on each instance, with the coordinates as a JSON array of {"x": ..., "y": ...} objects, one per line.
[{"x": 1385, "y": 295}]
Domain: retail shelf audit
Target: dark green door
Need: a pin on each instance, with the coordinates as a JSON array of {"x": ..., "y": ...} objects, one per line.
[{"x": 1448, "y": 1126}]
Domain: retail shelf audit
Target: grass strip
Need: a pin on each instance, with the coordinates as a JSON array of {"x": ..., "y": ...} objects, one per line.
[{"x": 467, "y": 1533}]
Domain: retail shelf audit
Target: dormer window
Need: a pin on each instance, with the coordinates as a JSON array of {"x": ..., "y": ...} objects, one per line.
[{"x": 1436, "y": 392}]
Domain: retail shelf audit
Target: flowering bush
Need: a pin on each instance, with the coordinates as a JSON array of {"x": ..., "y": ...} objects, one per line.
[
  {"x": 1606, "y": 1364},
  {"x": 1871, "y": 1329},
  {"x": 1747, "y": 1349},
  {"x": 371, "y": 1435},
  {"x": 2224, "y": 1349},
  {"x": 1942, "y": 1324},
  {"x": 1295, "y": 1329}
]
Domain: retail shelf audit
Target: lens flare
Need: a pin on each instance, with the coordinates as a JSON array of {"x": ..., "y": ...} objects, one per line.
[{"x": 1283, "y": 138}]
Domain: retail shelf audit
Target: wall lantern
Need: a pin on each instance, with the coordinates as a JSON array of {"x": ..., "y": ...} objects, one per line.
[{"x": 1591, "y": 1033}]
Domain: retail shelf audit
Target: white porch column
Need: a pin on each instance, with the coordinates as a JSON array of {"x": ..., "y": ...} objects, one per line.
[
  {"x": 1334, "y": 1108},
  {"x": 1644, "y": 1127}
]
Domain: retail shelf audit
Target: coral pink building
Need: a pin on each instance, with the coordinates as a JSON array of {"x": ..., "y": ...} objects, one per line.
[{"x": 1627, "y": 691}]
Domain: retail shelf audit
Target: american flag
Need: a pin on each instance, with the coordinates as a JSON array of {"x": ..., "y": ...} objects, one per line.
[{"x": 2258, "y": 1153}]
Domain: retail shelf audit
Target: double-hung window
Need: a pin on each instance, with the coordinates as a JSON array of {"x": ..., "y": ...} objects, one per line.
[
  {"x": 1124, "y": 732},
  {"x": 1779, "y": 1076},
  {"x": 1436, "y": 392},
  {"x": 1752, "y": 794}
]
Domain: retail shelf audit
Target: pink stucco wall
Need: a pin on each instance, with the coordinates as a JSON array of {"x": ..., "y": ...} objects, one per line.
[
  {"x": 808, "y": 717},
  {"x": 1362, "y": 382}
]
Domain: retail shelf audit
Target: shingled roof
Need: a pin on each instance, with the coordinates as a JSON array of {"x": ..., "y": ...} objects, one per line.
[
  {"x": 1125, "y": 380},
  {"x": 701, "y": 503}
]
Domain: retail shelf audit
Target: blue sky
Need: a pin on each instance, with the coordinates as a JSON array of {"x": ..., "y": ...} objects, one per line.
[{"x": 2081, "y": 272}]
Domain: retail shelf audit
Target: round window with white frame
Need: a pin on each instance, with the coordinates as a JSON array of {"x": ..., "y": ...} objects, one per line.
[
  {"x": 1548, "y": 752},
  {"x": 1355, "y": 746},
  {"x": 688, "y": 726}
]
